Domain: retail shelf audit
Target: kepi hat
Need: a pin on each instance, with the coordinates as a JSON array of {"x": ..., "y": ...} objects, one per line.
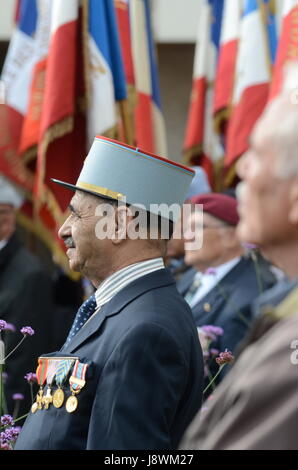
[{"x": 114, "y": 170}]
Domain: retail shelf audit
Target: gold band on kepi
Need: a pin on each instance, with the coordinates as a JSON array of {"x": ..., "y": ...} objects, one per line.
[
  {"x": 99, "y": 190},
  {"x": 144, "y": 180}
]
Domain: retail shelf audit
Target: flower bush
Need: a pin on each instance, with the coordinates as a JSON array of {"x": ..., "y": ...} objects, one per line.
[{"x": 8, "y": 430}]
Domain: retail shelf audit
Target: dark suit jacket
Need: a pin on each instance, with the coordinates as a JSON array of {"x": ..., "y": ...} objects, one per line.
[
  {"x": 145, "y": 376},
  {"x": 25, "y": 300},
  {"x": 228, "y": 304}
]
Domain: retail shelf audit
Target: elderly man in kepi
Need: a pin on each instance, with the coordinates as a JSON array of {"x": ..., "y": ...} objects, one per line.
[
  {"x": 225, "y": 280},
  {"x": 130, "y": 373},
  {"x": 255, "y": 407},
  {"x": 25, "y": 298}
]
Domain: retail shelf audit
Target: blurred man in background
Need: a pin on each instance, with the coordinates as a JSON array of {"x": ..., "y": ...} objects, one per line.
[
  {"x": 256, "y": 405},
  {"x": 226, "y": 280},
  {"x": 25, "y": 299},
  {"x": 175, "y": 250}
]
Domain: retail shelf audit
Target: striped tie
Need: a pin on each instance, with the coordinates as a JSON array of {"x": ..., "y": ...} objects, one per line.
[
  {"x": 193, "y": 289},
  {"x": 85, "y": 311}
]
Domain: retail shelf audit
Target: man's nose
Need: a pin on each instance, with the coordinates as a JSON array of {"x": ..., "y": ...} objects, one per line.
[
  {"x": 65, "y": 229},
  {"x": 242, "y": 165}
]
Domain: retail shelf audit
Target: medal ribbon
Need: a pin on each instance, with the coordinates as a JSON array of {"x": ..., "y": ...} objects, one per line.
[
  {"x": 52, "y": 366},
  {"x": 79, "y": 372},
  {"x": 42, "y": 369},
  {"x": 63, "y": 370}
]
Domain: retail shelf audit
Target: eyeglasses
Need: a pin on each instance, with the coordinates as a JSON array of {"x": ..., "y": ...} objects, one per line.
[{"x": 217, "y": 227}]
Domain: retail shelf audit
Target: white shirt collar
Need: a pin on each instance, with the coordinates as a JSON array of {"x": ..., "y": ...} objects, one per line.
[
  {"x": 120, "y": 279},
  {"x": 3, "y": 243},
  {"x": 210, "y": 278}
]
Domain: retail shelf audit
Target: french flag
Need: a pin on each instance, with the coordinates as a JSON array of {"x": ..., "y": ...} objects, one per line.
[
  {"x": 123, "y": 19},
  {"x": 256, "y": 54},
  {"x": 149, "y": 121},
  {"x": 32, "y": 119},
  {"x": 60, "y": 93},
  {"x": 127, "y": 124},
  {"x": 287, "y": 46},
  {"x": 107, "y": 83},
  {"x": 229, "y": 39},
  {"x": 16, "y": 77},
  {"x": 201, "y": 142}
]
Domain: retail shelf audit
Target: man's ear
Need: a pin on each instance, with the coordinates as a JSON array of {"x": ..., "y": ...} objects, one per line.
[
  {"x": 123, "y": 216},
  {"x": 293, "y": 202}
]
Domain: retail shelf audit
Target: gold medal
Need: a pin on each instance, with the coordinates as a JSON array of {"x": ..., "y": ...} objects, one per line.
[
  {"x": 34, "y": 407},
  {"x": 39, "y": 399},
  {"x": 58, "y": 398},
  {"x": 71, "y": 404},
  {"x": 47, "y": 399},
  {"x": 77, "y": 382}
]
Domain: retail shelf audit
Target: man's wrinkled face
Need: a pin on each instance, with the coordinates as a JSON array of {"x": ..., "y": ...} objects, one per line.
[
  {"x": 263, "y": 196},
  {"x": 213, "y": 247},
  {"x": 7, "y": 221},
  {"x": 85, "y": 250}
]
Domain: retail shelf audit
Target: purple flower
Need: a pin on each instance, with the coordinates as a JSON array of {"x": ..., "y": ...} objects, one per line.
[
  {"x": 5, "y": 437},
  {"x": 7, "y": 420},
  {"x": 2, "y": 325},
  {"x": 5, "y": 447},
  {"x": 10, "y": 327},
  {"x": 9, "y": 436},
  {"x": 15, "y": 432},
  {"x": 249, "y": 246},
  {"x": 214, "y": 352},
  {"x": 224, "y": 358},
  {"x": 18, "y": 396},
  {"x": 212, "y": 331},
  {"x": 31, "y": 378},
  {"x": 27, "y": 331},
  {"x": 211, "y": 271}
]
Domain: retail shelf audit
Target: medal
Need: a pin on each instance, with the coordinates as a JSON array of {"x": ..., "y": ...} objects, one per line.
[
  {"x": 41, "y": 373},
  {"x": 34, "y": 407},
  {"x": 61, "y": 374},
  {"x": 71, "y": 404},
  {"x": 48, "y": 399},
  {"x": 77, "y": 382},
  {"x": 58, "y": 398}
]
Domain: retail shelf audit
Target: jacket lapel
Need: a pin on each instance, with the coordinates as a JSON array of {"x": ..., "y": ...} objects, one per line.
[
  {"x": 155, "y": 280},
  {"x": 207, "y": 309},
  {"x": 186, "y": 281}
]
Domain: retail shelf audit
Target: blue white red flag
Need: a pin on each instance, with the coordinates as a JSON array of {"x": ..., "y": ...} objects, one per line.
[
  {"x": 288, "y": 44},
  {"x": 107, "y": 83},
  {"x": 149, "y": 122},
  {"x": 202, "y": 145},
  {"x": 255, "y": 58}
]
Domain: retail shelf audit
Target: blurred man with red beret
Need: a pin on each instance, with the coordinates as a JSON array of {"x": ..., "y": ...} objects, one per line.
[
  {"x": 226, "y": 279},
  {"x": 175, "y": 250}
]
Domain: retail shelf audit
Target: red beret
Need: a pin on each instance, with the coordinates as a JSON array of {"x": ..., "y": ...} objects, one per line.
[{"x": 219, "y": 205}]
